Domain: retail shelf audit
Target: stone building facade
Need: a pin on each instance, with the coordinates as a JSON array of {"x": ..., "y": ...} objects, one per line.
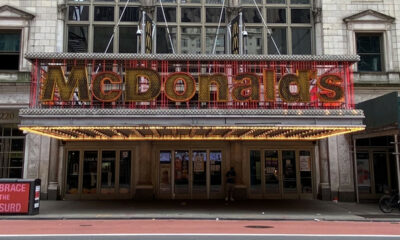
[{"x": 335, "y": 27}]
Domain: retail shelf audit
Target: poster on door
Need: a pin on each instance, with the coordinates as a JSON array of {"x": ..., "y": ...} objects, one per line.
[
  {"x": 198, "y": 162},
  {"x": 363, "y": 173},
  {"x": 305, "y": 164}
]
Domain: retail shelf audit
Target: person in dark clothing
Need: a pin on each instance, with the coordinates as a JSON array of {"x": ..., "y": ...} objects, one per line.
[{"x": 230, "y": 184}]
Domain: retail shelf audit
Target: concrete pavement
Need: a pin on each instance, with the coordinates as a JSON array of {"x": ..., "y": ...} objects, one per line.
[{"x": 212, "y": 209}]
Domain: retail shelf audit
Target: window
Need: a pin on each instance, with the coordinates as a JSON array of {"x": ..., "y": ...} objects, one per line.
[
  {"x": 170, "y": 14},
  {"x": 191, "y": 38},
  {"x": 213, "y": 15},
  {"x": 78, "y": 13},
  {"x": 90, "y": 26},
  {"x": 77, "y": 39},
  {"x": 192, "y": 26},
  {"x": 10, "y": 47},
  {"x": 370, "y": 51},
  {"x": 190, "y": 14},
  {"x": 12, "y": 144}
]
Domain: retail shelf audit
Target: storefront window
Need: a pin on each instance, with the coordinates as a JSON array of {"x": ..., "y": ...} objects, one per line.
[
  {"x": 72, "y": 172},
  {"x": 12, "y": 143}
]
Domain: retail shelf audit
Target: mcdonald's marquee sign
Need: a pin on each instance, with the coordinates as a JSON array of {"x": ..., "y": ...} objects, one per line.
[{"x": 198, "y": 83}]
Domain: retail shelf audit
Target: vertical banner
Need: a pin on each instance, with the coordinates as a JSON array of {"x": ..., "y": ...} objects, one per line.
[
  {"x": 235, "y": 35},
  {"x": 148, "y": 33}
]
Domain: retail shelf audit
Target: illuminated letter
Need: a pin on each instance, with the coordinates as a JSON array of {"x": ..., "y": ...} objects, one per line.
[
  {"x": 301, "y": 80},
  {"x": 98, "y": 87},
  {"x": 269, "y": 85},
  {"x": 77, "y": 79},
  {"x": 331, "y": 89},
  {"x": 246, "y": 88},
  {"x": 132, "y": 85},
  {"x": 188, "y": 91},
  {"x": 218, "y": 79}
]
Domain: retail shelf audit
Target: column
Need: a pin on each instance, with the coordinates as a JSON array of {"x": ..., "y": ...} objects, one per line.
[{"x": 324, "y": 186}]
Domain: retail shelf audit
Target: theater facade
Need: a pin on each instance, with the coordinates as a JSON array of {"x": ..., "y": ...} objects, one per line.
[{"x": 169, "y": 126}]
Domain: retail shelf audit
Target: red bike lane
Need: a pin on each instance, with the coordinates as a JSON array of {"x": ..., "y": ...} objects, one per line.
[{"x": 15, "y": 227}]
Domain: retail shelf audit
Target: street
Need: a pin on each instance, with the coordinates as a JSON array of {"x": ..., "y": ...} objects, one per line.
[{"x": 195, "y": 229}]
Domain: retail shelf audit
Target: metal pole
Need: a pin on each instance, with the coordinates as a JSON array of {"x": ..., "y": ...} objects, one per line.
[
  {"x": 240, "y": 34},
  {"x": 143, "y": 42},
  {"x": 355, "y": 169},
  {"x": 396, "y": 148}
]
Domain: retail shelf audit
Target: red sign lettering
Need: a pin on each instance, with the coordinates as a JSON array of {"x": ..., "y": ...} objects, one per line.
[{"x": 14, "y": 197}]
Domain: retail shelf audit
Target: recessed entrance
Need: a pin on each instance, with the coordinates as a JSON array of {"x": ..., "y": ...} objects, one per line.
[
  {"x": 280, "y": 174},
  {"x": 96, "y": 174},
  {"x": 190, "y": 174}
]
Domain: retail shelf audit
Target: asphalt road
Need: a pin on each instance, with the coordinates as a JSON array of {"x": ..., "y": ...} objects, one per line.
[{"x": 200, "y": 237}]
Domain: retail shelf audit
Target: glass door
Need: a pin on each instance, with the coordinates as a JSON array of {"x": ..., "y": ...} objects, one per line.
[
  {"x": 255, "y": 173},
  {"x": 289, "y": 172},
  {"x": 108, "y": 172},
  {"x": 181, "y": 174},
  {"x": 196, "y": 174},
  {"x": 125, "y": 166},
  {"x": 73, "y": 172},
  {"x": 199, "y": 175},
  {"x": 165, "y": 187},
  {"x": 305, "y": 168},
  {"x": 89, "y": 185},
  {"x": 272, "y": 173},
  {"x": 215, "y": 173}
]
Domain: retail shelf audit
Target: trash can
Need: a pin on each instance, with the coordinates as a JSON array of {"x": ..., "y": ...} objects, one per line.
[{"x": 19, "y": 196}]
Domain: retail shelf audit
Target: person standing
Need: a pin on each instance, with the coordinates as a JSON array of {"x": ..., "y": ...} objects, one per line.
[{"x": 230, "y": 184}]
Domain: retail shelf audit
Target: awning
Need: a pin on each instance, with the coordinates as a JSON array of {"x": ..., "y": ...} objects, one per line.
[
  {"x": 382, "y": 116},
  {"x": 190, "y": 124}
]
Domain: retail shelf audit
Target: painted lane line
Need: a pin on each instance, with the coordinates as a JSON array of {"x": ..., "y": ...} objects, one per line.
[{"x": 198, "y": 234}]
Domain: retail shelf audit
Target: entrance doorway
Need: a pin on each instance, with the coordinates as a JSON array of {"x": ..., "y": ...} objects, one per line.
[
  {"x": 190, "y": 174},
  {"x": 97, "y": 174},
  {"x": 280, "y": 174},
  {"x": 376, "y": 172}
]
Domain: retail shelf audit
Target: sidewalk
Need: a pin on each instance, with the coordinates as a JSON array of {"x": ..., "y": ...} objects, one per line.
[{"x": 212, "y": 209}]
